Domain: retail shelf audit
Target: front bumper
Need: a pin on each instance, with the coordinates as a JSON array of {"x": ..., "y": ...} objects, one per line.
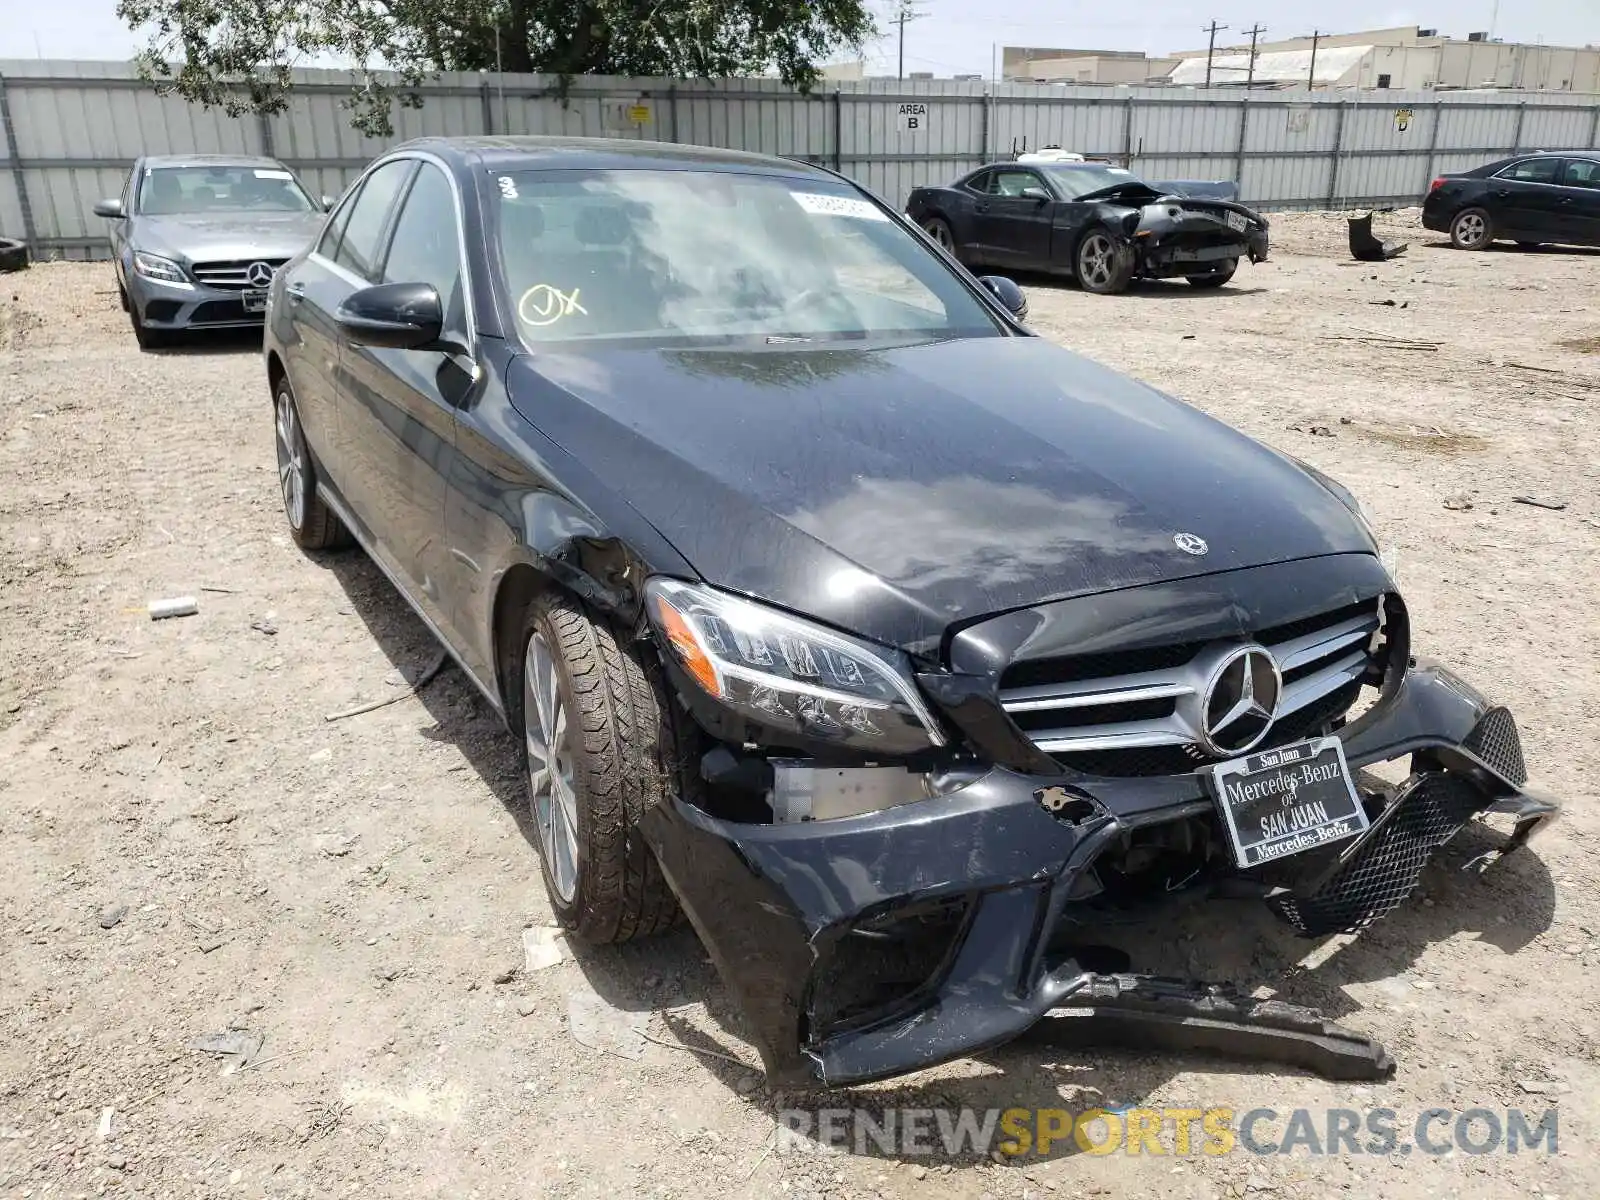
[
  {"x": 174, "y": 306},
  {"x": 996, "y": 873}
]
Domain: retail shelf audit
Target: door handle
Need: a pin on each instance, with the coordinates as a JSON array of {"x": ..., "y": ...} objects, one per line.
[
  {"x": 982, "y": 208},
  {"x": 1502, "y": 193},
  {"x": 296, "y": 292}
]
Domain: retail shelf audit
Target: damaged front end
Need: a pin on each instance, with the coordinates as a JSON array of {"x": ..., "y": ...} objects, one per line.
[
  {"x": 1055, "y": 772},
  {"x": 1185, "y": 236}
]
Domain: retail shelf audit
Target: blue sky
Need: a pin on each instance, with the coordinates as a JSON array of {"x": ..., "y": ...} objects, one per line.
[{"x": 959, "y": 35}]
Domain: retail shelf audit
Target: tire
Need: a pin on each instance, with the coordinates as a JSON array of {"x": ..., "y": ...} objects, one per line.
[
  {"x": 1215, "y": 279},
  {"x": 939, "y": 230},
  {"x": 13, "y": 255},
  {"x": 122, "y": 299},
  {"x": 148, "y": 339},
  {"x": 1471, "y": 229},
  {"x": 312, "y": 524},
  {"x": 614, "y": 754},
  {"x": 1101, "y": 265}
]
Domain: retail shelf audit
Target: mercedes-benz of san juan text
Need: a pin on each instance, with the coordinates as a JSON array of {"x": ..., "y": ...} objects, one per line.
[
  {"x": 1552, "y": 197},
  {"x": 896, "y": 648},
  {"x": 195, "y": 240},
  {"x": 1099, "y": 224}
]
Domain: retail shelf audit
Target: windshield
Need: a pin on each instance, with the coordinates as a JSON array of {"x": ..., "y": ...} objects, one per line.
[
  {"x": 1080, "y": 181},
  {"x": 173, "y": 191},
  {"x": 701, "y": 256}
]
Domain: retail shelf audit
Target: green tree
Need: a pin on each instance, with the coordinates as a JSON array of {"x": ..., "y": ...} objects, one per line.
[{"x": 237, "y": 54}]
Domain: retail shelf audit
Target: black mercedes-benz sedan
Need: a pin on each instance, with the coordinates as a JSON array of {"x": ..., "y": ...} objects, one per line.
[{"x": 898, "y": 649}]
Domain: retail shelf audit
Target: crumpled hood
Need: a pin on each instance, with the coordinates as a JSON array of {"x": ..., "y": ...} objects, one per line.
[
  {"x": 896, "y": 491},
  {"x": 226, "y": 236}
]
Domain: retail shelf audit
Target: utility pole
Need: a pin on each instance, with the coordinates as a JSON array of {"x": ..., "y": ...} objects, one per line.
[
  {"x": 1250, "y": 75},
  {"x": 1211, "y": 49},
  {"x": 1311, "y": 78},
  {"x": 904, "y": 10}
]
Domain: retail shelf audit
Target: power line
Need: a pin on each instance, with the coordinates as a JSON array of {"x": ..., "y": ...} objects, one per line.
[
  {"x": 1211, "y": 49},
  {"x": 1250, "y": 75}
]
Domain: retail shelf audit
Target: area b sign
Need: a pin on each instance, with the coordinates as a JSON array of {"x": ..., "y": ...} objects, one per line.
[{"x": 913, "y": 117}]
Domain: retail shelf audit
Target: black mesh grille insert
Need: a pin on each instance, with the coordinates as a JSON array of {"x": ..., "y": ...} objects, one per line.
[
  {"x": 1495, "y": 740},
  {"x": 1390, "y": 861}
]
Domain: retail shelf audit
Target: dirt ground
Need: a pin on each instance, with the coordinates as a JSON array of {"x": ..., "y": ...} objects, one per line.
[{"x": 189, "y": 847}]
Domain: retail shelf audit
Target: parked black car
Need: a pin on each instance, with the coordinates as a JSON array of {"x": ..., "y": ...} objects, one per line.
[
  {"x": 1529, "y": 199},
  {"x": 897, "y": 647},
  {"x": 1102, "y": 225}
]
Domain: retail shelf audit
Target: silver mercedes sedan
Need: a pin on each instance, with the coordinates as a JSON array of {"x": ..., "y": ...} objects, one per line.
[{"x": 195, "y": 239}]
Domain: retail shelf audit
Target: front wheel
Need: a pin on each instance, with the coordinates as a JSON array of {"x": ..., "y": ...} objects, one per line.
[
  {"x": 1103, "y": 266},
  {"x": 597, "y": 745},
  {"x": 148, "y": 338},
  {"x": 1216, "y": 278},
  {"x": 1471, "y": 229}
]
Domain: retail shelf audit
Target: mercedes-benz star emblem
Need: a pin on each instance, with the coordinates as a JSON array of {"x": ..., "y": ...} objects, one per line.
[
  {"x": 1190, "y": 543},
  {"x": 258, "y": 274},
  {"x": 1240, "y": 701}
]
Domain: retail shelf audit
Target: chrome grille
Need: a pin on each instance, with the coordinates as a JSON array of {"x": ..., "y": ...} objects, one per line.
[
  {"x": 233, "y": 274},
  {"x": 1158, "y": 704}
]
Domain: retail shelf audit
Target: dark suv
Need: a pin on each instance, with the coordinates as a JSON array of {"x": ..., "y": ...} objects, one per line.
[
  {"x": 897, "y": 648},
  {"x": 1530, "y": 199}
]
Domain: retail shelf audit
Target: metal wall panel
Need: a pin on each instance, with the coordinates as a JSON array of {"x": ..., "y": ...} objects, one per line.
[{"x": 1286, "y": 149}]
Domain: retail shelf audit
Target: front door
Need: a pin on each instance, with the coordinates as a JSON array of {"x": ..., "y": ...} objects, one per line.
[
  {"x": 1580, "y": 201},
  {"x": 1013, "y": 228},
  {"x": 400, "y": 405}
]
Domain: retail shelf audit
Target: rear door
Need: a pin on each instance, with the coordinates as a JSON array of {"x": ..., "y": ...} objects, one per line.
[
  {"x": 399, "y": 406},
  {"x": 302, "y": 318},
  {"x": 1580, "y": 201},
  {"x": 1525, "y": 201},
  {"x": 1015, "y": 229}
]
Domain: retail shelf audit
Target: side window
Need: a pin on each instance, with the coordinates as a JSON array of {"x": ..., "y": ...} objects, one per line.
[
  {"x": 425, "y": 247},
  {"x": 1581, "y": 172},
  {"x": 980, "y": 182},
  {"x": 1532, "y": 170},
  {"x": 1011, "y": 183},
  {"x": 328, "y": 243},
  {"x": 363, "y": 229}
]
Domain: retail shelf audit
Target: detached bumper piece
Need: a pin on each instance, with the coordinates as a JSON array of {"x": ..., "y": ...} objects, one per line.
[{"x": 1143, "y": 1012}]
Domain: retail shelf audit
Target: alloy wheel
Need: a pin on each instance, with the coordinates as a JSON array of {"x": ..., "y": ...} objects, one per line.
[
  {"x": 1096, "y": 260},
  {"x": 940, "y": 233},
  {"x": 552, "y": 799},
  {"x": 1470, "y": 229},
  {"x": 291, "y": 462}
]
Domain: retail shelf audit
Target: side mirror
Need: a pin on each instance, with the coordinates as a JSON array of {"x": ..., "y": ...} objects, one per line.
[
  {"x": 1012, "y": 298},
  {"x": 398, "y": 316},
  {"x": 327, "y": 204},
  {"x": 1034, "y": 193},
  {"x": 109, "y": 208}
]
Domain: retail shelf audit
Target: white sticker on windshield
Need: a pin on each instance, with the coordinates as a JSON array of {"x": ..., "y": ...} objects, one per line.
[
  {"x": 839, "y": 206},
  {"x": 508, "y": 187},
  {"x": 269, "y": 174}
]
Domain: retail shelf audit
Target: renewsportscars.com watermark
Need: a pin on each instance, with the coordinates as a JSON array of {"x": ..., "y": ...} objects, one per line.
[{"x": 1177, "y": 1132}]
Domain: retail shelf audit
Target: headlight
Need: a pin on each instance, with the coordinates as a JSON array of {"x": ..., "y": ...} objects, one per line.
[
  {"x": 154, "y": 267},
  {"x": 790, "y": 675}
]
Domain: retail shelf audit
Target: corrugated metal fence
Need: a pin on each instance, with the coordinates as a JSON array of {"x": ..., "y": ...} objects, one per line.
[{"x": 69, "y": 131}]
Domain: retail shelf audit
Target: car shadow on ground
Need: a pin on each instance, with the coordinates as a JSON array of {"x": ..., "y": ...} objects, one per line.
[
  {"x": 1514, "y": 248},
  {"x": 1165, "y": 289},
  {"x": 1236, "y": 942}
]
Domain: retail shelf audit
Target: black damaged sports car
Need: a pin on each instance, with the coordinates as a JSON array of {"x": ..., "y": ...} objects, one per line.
[
  {"x": 901, "y": 651},
  {"x": 1101, "y": 224}
]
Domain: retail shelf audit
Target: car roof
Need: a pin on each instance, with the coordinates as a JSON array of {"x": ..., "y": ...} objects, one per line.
[
  {"x": 580, "y": 153},
  {"x": 210, "y": 160}
]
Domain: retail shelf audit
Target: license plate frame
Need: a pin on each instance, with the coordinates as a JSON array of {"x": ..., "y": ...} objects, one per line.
[
  {"x": 254, "y": 302},
  {"x": 1237, "y": 222},
  {"x": 1286, "y": 801}
]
